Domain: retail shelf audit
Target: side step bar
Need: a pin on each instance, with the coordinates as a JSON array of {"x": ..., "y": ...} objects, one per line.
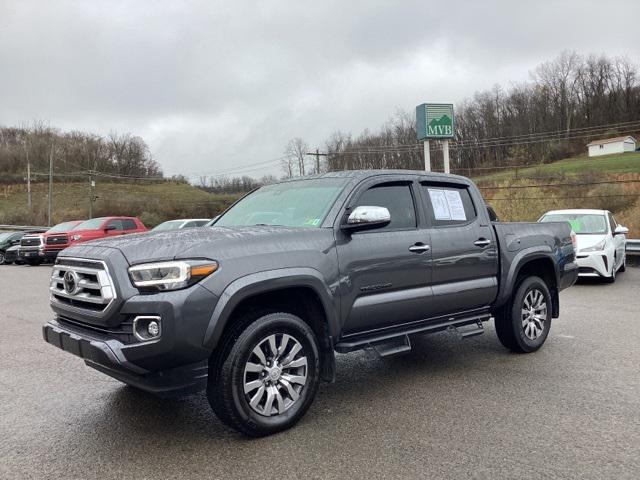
[
  {"x": 398, "y": 341},
  {"x": 392, "y": 346}
]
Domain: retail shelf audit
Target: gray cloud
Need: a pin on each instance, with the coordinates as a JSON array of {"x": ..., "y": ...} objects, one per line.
[{"x": 214, "y": 85}]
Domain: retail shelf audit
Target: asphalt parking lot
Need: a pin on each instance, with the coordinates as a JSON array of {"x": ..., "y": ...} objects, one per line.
[{"x": 449, "y": 409}]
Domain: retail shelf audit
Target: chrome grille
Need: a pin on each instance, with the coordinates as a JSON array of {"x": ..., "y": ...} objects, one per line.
[
  {"x": 57, "y": 239},
  {"x": 82, "y": 284},
  {"x": 28, "y": 241}
]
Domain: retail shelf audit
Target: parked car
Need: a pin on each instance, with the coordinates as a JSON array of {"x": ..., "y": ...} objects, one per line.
[
  {"x": 254, "y": 307},
  {"x": 179, "y": 224},
  {"x": 601, "y": 242},
  {"x": 11, "y": 256},
  {"x": 7, "y": 240},
  {"x": 44, "y": 247},
  {"x": 105, "y": 227}
]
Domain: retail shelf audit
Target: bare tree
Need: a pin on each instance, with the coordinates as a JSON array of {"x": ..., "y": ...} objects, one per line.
[{"x": 295, "y": 157}]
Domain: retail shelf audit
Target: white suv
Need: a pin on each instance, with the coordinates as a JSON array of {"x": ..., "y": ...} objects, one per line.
[{"x": 600, "y": 248}]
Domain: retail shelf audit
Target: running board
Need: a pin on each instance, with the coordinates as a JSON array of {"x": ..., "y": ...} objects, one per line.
[
  {"x": 392, "y": 346},
  {"x": 475, "y": 329},
  {"x": 358, "y": 342}
]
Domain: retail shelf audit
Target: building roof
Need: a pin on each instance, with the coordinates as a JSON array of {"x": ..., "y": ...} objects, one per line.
[{"x": 610, "y": 140}]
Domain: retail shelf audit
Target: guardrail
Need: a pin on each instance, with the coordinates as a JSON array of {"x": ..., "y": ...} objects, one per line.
[
  {"x": 633, "y": 246},
  {"x": 22, "y": 227}
]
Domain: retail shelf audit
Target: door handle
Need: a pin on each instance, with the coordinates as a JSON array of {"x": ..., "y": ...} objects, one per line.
[
  {"x": 419, "y": 248},
  {"x": 482, "y": 242}
]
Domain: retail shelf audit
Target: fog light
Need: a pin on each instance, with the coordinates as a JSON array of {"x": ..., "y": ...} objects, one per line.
[
  {"x": 153, "y": 328},
  {"x": 146, "y": 328}
]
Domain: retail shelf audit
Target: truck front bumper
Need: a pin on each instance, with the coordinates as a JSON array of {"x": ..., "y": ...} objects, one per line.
[{"x": 108, "y": 356}]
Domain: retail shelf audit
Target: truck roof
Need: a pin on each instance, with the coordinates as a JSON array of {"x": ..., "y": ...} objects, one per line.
[{"x": 361, "y": 174}]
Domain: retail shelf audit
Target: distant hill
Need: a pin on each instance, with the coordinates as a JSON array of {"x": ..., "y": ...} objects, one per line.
[{"x": 153, "y": 202}]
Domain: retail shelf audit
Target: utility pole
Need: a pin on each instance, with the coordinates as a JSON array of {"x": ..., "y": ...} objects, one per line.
[
  {"x": 317, "y": 154},
  {"x": 92, "y": 198},
  {"x": 50, "y": 185},
  {"x": 26, "y": 150}
]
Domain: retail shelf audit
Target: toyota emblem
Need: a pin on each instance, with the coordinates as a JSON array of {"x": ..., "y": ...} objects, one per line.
[{"x": 70, "y": 281}]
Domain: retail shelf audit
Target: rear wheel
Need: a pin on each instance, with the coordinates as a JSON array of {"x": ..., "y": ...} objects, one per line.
[
  {"x": 524, "y": 323},
  {"x": 2, "y": 258},
  {"x": 623, "y": 267},
  {"x": 34, "y": 263},
  {"x": 266, "y": 374}
]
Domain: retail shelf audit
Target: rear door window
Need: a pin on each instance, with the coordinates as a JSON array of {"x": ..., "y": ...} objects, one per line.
[
  {"x": 129, "y": 224},
  {"x": 448, "y": 204}
]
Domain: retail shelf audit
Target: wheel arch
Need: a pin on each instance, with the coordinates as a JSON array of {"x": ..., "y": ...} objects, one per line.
[
  {"x": 301, "y": 291},
  {"x": 539, "y": 262}
]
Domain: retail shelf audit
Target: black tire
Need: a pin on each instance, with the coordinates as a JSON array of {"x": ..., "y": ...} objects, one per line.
[
  {"x": 509, "y": 321},
  {"x": 2, "y": 258},
  {"x": 34, "y": 263},
  {"x": 227, "y": 376},
  {"x": 623, "y": 267}
]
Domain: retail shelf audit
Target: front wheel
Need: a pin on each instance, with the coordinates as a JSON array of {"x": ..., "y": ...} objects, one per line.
[
  {"x": 265, "y": 376},
  {"x": 34, "y": 263},
  {"x": 524, "y": 323},
  {"x": 2, "y": 258}
]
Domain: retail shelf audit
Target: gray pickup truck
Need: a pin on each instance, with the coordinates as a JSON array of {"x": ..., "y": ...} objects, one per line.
[{"x": 254, "y": 307}]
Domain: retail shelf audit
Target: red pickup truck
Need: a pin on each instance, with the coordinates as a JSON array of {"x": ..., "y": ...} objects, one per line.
[
  {"x": 105, "y": 227},
  {"x": 43, "y": 247}
]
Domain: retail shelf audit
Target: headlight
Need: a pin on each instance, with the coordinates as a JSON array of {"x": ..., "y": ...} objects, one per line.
[
  {"x": 76, "y": 237},
  {"x": 171, "y": 275},
  {"x": 596, "y": 248}
]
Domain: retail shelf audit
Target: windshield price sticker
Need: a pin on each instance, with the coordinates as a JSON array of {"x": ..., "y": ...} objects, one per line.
[{"x": 447, "y": 204}]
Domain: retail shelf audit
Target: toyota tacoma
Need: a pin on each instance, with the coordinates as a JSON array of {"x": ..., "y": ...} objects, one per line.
[{"x": 254, "y": 307}]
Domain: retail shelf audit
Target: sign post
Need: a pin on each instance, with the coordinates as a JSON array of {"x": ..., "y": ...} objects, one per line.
[{"x": 435, "y": 120}]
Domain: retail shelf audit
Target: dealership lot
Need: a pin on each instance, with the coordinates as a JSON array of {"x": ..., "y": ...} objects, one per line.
[{"x": 450, "y": 409}]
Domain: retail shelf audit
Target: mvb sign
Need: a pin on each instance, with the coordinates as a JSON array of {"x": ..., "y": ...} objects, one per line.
[{"x": 434, "y": 120}]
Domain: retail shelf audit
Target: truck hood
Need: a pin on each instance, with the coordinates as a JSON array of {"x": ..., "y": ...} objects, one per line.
[{"x": 206, "y": 242}]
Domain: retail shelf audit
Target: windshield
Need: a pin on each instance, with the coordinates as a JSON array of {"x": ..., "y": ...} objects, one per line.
[
  {"x": 62, "y": 227},
  {"x": 302, "y": 203},
  {"x": 170, "y": 225},
  {"x": 581, "y": 223},
  {"x": 92, "y": 224},
  {"x": 5, "y": 236}
]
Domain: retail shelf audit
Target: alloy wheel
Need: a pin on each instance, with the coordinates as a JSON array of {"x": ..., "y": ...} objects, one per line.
[
  {"x": 275, "y": 374},
  {"x": 534, "y": 314}
]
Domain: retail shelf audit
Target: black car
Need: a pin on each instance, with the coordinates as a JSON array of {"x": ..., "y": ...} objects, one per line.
[
  {"x": 7, "y": 240},
  {"x": 11, "y": 256}
]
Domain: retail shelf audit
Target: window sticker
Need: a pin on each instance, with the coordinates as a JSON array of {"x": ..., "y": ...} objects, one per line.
[
  {"x": 439, "y": 202},
  {"x": 456, "y": 208},
  {"x": 447, "y": 204},
  {"x": 312, "y": 221}
]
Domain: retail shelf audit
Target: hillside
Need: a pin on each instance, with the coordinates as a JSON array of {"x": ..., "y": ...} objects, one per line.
[
  {"x": 610, "y": 182},
  {"x": 152, "y": 202}
]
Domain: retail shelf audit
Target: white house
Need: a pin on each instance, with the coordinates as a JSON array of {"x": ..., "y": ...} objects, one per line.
[{"x": 608, "y": 146}]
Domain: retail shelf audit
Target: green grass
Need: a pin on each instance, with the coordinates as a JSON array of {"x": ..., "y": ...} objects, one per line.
[
  {"x": 153, "y": 202},
  {"x": 613, "y": 164}
]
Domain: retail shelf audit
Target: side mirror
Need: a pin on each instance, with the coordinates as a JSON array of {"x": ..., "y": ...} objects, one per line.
[
  {"x": 15, "y": 242},
  {"x": 620, "y": 230},
  {"x": 109, "y": 228},
  {"x": 365, "y": 217}
]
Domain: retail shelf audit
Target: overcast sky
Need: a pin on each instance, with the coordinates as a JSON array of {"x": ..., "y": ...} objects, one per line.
[{"x": 214, "y": 86}]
